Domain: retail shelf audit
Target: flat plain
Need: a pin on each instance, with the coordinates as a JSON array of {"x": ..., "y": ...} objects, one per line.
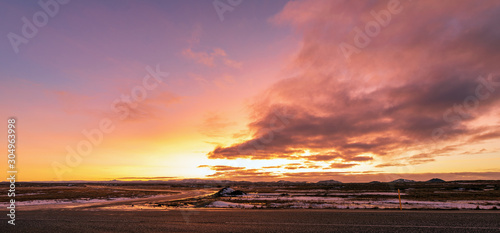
[
  {"x": 255, "y": 220},
  {"x": 458, "y": 206}
]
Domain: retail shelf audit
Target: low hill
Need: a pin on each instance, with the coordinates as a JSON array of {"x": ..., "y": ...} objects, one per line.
[
  {"x": 402, "y": 181},
  {"x": 328, "y": 182},
  {"x": 435, "y": 180}
]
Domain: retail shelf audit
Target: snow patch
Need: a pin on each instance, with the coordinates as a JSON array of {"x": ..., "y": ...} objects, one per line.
[{"x": 225, "y": 204}]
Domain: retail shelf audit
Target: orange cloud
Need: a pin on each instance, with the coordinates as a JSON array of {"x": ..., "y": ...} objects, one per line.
[
  {"x": 426, "y": 72},
  {"x": 222, "y": 168}
]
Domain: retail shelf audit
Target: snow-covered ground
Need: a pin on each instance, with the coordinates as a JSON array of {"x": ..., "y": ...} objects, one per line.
[
  {"x": 347, "y": 203},
  {"x": 330, "y": 193},
  {"x": 286, "y": 198},
  {"x": 66, "y": 202},
  {"x": 344, "y": 200},
  {"x": 387, "y": 204},
  {"x": 57, "y": 201},
  {"x": 132, "y": 207},
  {"x": 27, "y": 194},
  {"x": 225, "y": 204},
  {"x": 318, "y": 192}
]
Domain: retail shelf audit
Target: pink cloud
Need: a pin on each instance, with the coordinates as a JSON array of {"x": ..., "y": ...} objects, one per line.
[
  {"x": 211, "y": 59},
  {"x": 389, "y": 97}
]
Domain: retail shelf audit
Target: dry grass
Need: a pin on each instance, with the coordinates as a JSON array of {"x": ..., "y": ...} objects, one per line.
[{"x": 28, "y": 192}]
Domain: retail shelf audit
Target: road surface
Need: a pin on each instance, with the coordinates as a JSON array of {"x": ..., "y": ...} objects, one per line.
[{"x": 253, "y": 220}]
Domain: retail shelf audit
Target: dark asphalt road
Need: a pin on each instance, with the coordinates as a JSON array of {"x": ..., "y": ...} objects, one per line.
[{"x": 253, "y": 221}]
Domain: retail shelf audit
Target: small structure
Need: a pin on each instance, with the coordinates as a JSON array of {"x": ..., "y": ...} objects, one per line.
[{"x": 229, "y": 192}]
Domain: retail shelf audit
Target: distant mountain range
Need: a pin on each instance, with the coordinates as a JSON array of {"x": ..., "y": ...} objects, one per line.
[
  {"x": 329, "y": 182},
  {"x": 228, "y": 182}
]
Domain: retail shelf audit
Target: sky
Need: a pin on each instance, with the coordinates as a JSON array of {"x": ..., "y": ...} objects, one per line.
[{"x": 353, "y": 91}]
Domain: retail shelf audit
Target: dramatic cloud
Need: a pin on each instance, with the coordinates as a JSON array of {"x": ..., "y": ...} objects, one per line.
[
  {"x": 342, "y": 165},
  {"x": 248, "y": 174},
  {"x": 378, "y": 79}
]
